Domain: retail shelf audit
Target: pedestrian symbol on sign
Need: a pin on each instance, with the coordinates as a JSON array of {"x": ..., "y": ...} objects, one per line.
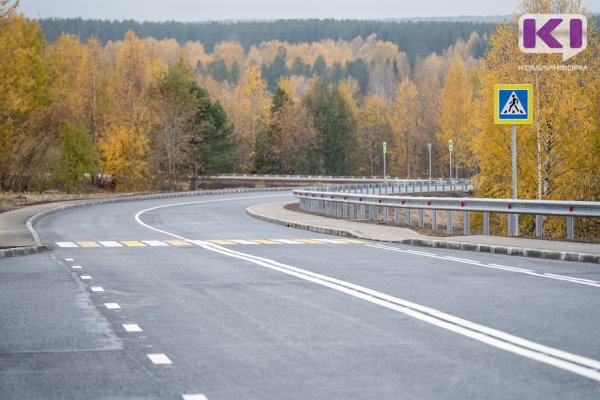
[{"x": 513, "y": 105}]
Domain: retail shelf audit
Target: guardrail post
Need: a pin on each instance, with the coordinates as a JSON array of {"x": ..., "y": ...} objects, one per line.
[
  {"x": 570, "y": 233},
  {"x": 467, "y": 228},
  {"x": 513, "y": 225},
  {"x": 538, "y": 225},
  {"x": 385, "y": 215},
  {"x": 449, "y": 221},
  {"x": 486, "y": 223},
  {"x": 408, "y": 218},
  {"x": 434, "y": 219},
  {"x": 397, "y": 216},
  {"x": 421, "y": 217}
]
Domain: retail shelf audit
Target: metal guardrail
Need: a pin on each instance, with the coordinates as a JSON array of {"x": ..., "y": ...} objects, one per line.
[
  {"x": 310, "y": 178},
  {"x": 369, "y": 201}
]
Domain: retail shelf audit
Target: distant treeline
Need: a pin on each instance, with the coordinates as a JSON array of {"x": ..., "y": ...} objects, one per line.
[{"x": 416, "y": 38}]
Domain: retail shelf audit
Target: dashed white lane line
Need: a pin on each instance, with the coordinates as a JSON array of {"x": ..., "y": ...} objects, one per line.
[
  {"x": 131, "y": 328},
  {"x": 194, "y": 397},
  {"x": 66, "y": 245},
  {"x": 155, "y": 243},
  {"x": 76, "y": 266},
  {"x": 97, "y": 289},
  {"x": 112, "y": 306},
  {"x": 85, "y": 277},
  {"x": 69, "y": 260},
  {"x": 159, "y": 359},
  {"x": 110, "y": 243}
]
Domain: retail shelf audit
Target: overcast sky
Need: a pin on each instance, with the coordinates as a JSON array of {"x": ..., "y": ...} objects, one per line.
[{"x": 210, "y": 10}]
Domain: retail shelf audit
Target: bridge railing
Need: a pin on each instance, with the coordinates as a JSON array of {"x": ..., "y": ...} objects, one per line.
[
  {"x": 314, "y": 178},
  {"x": 368, "y": 202}
]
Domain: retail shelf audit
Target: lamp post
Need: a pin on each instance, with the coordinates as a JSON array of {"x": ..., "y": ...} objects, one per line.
[
  {"x": 384, "y": 153},
  {"x": 450, "y": 146},
  {"x": 429, "y": 149}
]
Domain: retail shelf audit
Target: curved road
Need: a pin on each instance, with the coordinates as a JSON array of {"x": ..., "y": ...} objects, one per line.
[{"x": 190, "y": 298}]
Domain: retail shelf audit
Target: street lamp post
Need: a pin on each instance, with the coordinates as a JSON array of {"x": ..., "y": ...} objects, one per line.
[{"x": 429, "y": 148}]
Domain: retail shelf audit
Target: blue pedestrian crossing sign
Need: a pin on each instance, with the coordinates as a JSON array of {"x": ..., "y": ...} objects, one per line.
[{"x": 513, "y": 104}]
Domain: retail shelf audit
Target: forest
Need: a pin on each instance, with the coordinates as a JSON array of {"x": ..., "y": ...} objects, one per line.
[
  {"x": 156, "y": 113},
  {"x": 416, "y": 38}
]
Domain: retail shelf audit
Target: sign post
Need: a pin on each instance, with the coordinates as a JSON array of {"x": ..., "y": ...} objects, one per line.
[
  {"x": 384, "y": 153},
  {"x": 513, "y": 105}
]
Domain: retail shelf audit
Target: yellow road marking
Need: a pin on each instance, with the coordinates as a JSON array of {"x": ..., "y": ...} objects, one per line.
[
  {"x": 266, "y": 242},
  {"x": 222, "y": 242},
  {"x": 88, "y": 244},
  {"x": 133, "y": 243},
  {"x": 177, "y": 243}
]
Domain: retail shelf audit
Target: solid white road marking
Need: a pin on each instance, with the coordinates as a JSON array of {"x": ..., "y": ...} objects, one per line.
[
  {"x": 159, "y": 359},
  {"x": 85, "y": 277},
  {"x": 69, "y": 259},
  {"x": 286, "y": 241},
  {"x": 66, "y": 245},
  {"x": 155, "y": 243},
  {"x": 132, "y": 328},
  {"x": 571, "y": 278},
  {"x": 110, "y": 243},
  {"x": 194, "y": 397},
  {"x": 76, "y": 266},
  {"x": 238, "y": 241},
  {"x": 574, "y": 363},
  {"x": 199, "y": 242},
  {"x": 493, "y": 266},
  {"x": 332, "y": 241},
  {"x": 112, "y": 306},
  {"x": 97, "y": 289}
]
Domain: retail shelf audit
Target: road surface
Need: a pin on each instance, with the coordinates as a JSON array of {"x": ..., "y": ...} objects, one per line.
[{"x": 190, "y": 298}]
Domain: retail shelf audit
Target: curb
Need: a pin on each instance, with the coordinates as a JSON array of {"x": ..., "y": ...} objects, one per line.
[
  {"x": 482, "y": 248},
  {"x": 40, "y": 247},
  {"x": 22, "y": 251}
]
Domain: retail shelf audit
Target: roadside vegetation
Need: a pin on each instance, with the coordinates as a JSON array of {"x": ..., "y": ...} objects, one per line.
[{"x": 135, "y": 112}]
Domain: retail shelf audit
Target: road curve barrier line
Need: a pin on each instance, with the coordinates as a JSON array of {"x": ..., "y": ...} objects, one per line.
[{"x": 574, "y": 363}]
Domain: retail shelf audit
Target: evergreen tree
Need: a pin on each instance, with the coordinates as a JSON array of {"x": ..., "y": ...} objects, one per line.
[
  {"x": 211, "y": 147},
  {"x": 336, "y": 129}
]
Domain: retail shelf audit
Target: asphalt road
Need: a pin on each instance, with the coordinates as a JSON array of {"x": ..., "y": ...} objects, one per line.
[{"x": 166, "y": 304}]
